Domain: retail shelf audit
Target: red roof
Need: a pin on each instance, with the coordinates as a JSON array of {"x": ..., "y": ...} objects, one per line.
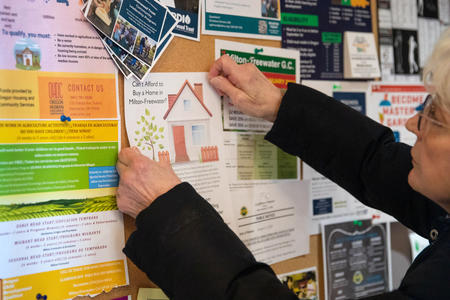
[{"x": 178, "y": 95}]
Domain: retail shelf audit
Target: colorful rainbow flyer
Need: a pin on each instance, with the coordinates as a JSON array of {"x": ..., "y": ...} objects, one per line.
[{"x": 60, "y": 230}]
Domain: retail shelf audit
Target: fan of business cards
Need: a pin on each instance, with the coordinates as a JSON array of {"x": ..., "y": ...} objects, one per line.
[{"x": 134, "y": 32}]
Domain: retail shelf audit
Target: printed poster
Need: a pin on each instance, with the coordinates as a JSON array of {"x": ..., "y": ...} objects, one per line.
[
  {"x": 258, "y": 171},
  {"x": 355, "y": 258},
  {"x": 303, "y": 283},
  {"x": 328, "y": 200},
  {"x": 177, "y": 117},
  {"x": 59, "y": 139},
  {"x": 317, "y": 29},
  {"x": 393, "y": 104},
  {"x": 258, "y": 19}
]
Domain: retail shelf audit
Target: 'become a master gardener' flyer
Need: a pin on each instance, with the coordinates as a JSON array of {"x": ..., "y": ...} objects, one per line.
[{"x": 60, "y": 230}]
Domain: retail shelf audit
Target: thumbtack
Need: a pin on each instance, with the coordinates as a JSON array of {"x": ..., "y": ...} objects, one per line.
[
  {"x": 258, "y": 50},
  {"x": 64, "y": 118},
  {"x": 358, "y": 223}
]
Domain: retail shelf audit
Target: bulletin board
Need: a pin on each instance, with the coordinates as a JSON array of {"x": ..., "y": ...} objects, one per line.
[{"x": 190, "y": 56}]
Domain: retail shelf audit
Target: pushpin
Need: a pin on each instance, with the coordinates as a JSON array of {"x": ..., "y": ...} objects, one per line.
[
  {"x": 258, "y": 50},
  {"x": 64, "y": 118},
  {"x": 356, "y": 222}
]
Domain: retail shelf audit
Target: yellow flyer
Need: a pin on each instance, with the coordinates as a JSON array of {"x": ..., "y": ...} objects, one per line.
[{"x": 60, "y": 230}]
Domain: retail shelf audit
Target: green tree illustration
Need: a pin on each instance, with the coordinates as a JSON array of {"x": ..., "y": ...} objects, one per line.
[{"x": 148, "y": 134}]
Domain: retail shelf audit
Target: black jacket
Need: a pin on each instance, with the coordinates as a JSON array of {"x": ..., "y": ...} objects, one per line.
[{"x": 185, "y": 248}]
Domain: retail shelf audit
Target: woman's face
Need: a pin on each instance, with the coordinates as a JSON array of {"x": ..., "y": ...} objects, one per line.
[{"x": 430, "y": 174}]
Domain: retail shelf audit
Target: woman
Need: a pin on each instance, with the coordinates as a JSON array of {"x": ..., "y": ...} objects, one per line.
[{"x": 184, "y": 246}]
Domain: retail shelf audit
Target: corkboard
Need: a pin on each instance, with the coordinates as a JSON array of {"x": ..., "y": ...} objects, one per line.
[{"x": 189, "y": 56}]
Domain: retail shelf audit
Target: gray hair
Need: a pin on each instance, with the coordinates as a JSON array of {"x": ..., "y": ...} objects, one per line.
[{"x": 436, "y": 73}]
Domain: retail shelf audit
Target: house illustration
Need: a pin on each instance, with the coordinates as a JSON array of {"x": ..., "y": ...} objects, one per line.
[
  {"x": 27, "y": 54},
  {"x": 27, "y": 57},
  {"x": 188, "y": 121}
]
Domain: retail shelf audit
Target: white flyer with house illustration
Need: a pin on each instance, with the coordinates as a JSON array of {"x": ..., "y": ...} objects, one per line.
[{"x": 177, "y": 117}]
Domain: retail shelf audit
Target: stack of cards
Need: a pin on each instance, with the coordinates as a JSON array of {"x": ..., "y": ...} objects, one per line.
[{"x": 134, "y": 32}]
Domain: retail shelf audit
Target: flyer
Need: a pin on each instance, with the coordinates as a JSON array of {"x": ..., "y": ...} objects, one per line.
[
  {"x": 356, "y": 254},
  {"x": 187, "y": 13},
  {"x": 303, "y": 283},
  {"x": 360, "y": 55},
  {"x": 177, "y": 117},
  {"x": 385, "y": 40},
  {"x": 406, "y": 51},
  {"x": 280, "y": 66},
  {"x": 136, "y": 26},
  {"x": 404, "y": 14},
  {"x": 444, "y": 11},
  {"x": 258, "y": 19},
  {"x": 328, "y": 200},
  {"x": 162, "y": 47},
  {"x": 59, "y": 139},
  {"x": 120, "y": 65},
  {"x": 429, "y": 31},
  {"x": 316, "y": 29},
  {"x": 255, "y": 166},
  {"x": 272, "y": 219},
  {"x": 392, "y": 104},
  {"x": 136, "y": 66}
]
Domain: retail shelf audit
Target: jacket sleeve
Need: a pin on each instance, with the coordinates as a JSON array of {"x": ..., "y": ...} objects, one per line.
[
  {"x": 183, "y": 246},
  {"x": 355, "y": 152}
]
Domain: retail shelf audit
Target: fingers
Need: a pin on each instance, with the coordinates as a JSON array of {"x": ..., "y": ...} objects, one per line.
[
  {"x": 165, "y": 164},
  {"x": 225, "y": 65},
  {"x": 127, "y": 155},
  {"x": 225, "y": 86},
  {"x": 120, "y": 167}
]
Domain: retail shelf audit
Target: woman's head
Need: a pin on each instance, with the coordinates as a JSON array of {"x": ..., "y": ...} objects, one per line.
[
  {"x": 430, "y": 175},
  {"x": 436, "y": 73}
]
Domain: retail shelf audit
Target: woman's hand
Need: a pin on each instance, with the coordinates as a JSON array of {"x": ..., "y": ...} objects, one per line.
[
  {"x": 248, "y": 89},
  {"x": 142, "y": 180}
]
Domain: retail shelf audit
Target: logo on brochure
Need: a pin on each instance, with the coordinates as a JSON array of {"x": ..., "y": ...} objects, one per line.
[
  {"x": 262, "y": 27},
  {"x": 27, "y": 54},
  {"x": 185, "y": 19},
  {"x": 361, "y": 44},
  {"x": 358, "y": 277},
  {"x": 383, "y": 104},
  {"x": 244, "y": 211}
]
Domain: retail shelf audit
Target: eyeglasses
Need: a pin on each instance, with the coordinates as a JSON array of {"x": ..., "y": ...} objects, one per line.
[{"x": 427, "y": 111}]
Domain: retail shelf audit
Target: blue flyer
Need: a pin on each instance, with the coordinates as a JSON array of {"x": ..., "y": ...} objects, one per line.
[
  {"x": 187, "y": 15},
  {"x": 356, "y": 100}
]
